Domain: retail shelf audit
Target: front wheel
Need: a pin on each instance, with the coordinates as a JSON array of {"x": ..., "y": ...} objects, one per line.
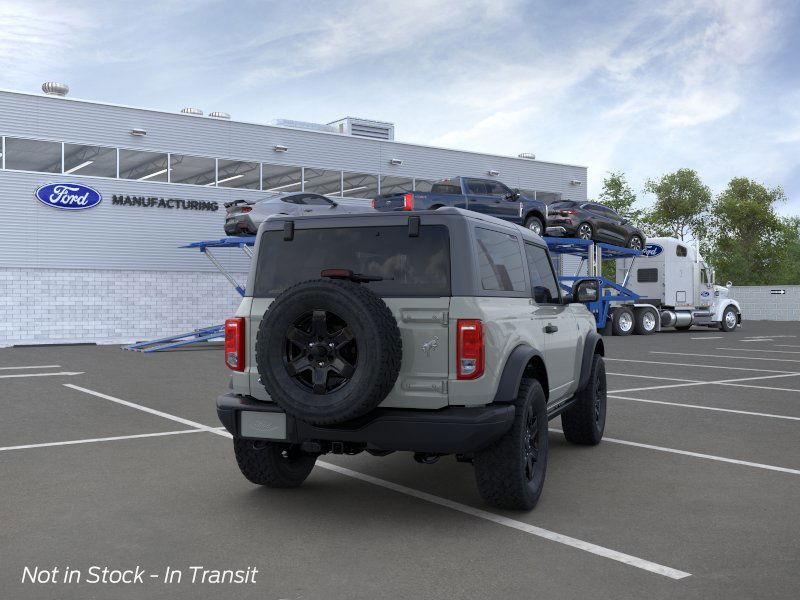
[
  {"x": 273, "y": 465},
  {"x": 622, "y": 323},
  {"x": 635, "y": 243},
  {"x": 729, "y": 320},
  {"x": 510, "y": 473},
  {"x": 585, "y": 421},
  {"x": 584, "y": 231},
  {"x": 535, "y": 225}
]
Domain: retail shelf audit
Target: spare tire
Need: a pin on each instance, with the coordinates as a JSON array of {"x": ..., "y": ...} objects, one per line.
[{"x": 328, "y": 351}]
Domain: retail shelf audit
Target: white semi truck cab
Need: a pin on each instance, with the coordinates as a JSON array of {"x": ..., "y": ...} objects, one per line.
[{"x": 671, "y": 276}]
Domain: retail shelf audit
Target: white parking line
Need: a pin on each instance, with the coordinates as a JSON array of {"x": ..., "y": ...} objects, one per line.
[
  {"x": 674, "y": 364},
  {"x": 714, "y": 408},
  {"x": 105, "y": 439},
  {"x": 64, "y": 373},
  {"x": 146, "y": 409},
  {"x": 708, "y": 337},
  {"x": 717, "y": 382},
  {"x": 723, "y": 356},
  {"x": 787, "y": 346},
  {"x": 31, "y": 367},
  {"x": 512, "y": 523},
  {"x": 654, "y": 377},
  {"x": 699, "y": 455},
  {"x": 519, "y": 525},
  {"x": 758, "y": 350}
]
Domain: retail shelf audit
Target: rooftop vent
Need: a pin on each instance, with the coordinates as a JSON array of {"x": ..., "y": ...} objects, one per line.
[
  {"x": 219, "y": 115},
  {"x": 192, "y": 111},
  {"x": 51, "y": 88},
  {"x": 377, "y": 130},
  {"x": 303, "y": 125},
  {"x": 527, "y": 155}
]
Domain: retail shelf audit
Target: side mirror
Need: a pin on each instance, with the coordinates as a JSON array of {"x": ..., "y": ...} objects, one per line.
[
  {"x": 729, "y": 285},
  {"x": 334, "y": 204},
  {"x": 585, "y": 290},
  {"x": 511, "y": 196},
  {"x": 567, "y": 297}
]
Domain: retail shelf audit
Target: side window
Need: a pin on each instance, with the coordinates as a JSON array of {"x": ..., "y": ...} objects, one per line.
[
  {"x": 495, "y": 188},
  {"x": 476, "y": 186},
  {"x": 647, "y": 275},
  {"x": 499, "y": 261},
  {"x": 543, "y": 281},
  {"x": 681, "y": 251},
  {"x": 704, "y": 276}
]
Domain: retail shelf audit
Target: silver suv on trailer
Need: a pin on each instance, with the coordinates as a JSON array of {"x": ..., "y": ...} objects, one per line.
[{"x": 437, "y": 332}]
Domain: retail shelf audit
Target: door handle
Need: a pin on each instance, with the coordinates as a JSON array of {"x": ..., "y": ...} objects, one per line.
[{"x": 550, "y": 328}]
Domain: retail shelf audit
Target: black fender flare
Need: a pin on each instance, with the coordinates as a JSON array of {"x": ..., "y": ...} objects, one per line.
[
  {"x": 591, "y": 346},
  {"x": 535, "y": 212},
  {"x": 517, "y": 362}
]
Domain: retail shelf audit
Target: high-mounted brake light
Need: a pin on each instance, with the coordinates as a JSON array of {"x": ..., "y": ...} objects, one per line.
[
  {"x": 408, "y": 201},
  {"x": 469, "y": 349},
  {"x": 234, "y": 344}
]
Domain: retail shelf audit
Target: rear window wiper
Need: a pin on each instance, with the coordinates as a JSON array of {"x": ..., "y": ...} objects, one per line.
[{"x": 349, "y": 275}]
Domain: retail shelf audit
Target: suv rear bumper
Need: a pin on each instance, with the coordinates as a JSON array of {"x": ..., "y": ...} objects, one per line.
[{"x": 451, "y": 430}]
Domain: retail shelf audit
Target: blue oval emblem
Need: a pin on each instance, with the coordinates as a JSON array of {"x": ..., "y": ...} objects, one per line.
[
  {"x": 705, "y": 294},
  {"x": 68, "y": 196},
  {"x": 652, "y": 250}
]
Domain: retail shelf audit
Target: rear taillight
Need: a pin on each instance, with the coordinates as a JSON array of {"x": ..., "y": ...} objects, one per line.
[
  {"x": 469, "y": 349},
  {"x": 234, "y": 344},
  {"x": 566, "y": 213},
  {"x": 246, "y": 209},
  {"x": 408, "y": 201}
]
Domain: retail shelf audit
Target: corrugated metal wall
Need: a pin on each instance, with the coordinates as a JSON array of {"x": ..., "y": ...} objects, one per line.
[{"x": 124, "y": 237}]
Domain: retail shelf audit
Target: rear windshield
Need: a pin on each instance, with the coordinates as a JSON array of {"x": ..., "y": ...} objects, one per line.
[{"x": 410, "y": 266}]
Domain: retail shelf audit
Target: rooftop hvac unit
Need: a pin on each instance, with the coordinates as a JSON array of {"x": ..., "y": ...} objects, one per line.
[
  {"x": 219, "y": 115},
  {"x": 377, "y": 130},
  {"x": 51, "y": 88},
  {"x": 192, "y": 111},
  {"x": 303, "y": 125}
]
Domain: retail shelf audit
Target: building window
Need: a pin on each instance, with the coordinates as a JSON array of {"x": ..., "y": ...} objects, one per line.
[
  {"x": 359, "y": 185},
  {"x": 280, "y": 178},
  {"x": 97, "y": 161},
  {"x": 194, "y": 170},
  {"x": 33, "y": 155},
  {"x": 321, "y": 181},
  {"x": 144, "y": 166},
  {"x": 396, "y": 185},
  {"x": 499, "y": 261},
  {"x": 423, "y": 185},
  {"x": 237, "y": 174}
]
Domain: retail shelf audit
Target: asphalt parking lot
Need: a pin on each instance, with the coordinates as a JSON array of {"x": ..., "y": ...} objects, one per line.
[{"x": 116, "y": 458}]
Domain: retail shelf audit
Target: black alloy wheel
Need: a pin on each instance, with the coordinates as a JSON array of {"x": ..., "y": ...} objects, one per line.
[
  {"x": 321, "y": 353},
  {"x": 530, "y": 445}
]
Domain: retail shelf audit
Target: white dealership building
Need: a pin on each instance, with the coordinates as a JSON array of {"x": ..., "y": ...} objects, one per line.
[{"x": 114, "y": 271}]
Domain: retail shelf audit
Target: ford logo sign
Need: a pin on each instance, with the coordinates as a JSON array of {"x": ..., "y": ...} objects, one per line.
[
  {"x": 705, "y": 294},
  {"x": 68, "y": 196},
  {"x": 652, "y": 250}
]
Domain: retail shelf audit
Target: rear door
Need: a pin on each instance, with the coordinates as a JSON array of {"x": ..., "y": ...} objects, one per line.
[{"x": 556, "y": 324}]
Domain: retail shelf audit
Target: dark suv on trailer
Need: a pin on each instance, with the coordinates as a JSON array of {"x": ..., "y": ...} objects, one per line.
[{"x": 593, "y": 221}]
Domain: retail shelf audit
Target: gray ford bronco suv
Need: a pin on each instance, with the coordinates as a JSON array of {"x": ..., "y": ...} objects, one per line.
[{"x": 436, "y": 332}]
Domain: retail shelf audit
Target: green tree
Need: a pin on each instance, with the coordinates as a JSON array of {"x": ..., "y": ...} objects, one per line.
[
  {"x": 749, "y": 243},
  {"x": 681, "y": 205},
  {"x": 618, "y": 195}
]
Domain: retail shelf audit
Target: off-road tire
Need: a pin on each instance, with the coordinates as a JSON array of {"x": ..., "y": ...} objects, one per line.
[
  {"x": 531, "y": 221},
  {"x": 271, "y": 464},
  {"x": 723, "y": 325},
  {"x": 640, "y": 325},
  {"x": 618, "y": 322},
  {"x": 500, "y": 469},
  {"x": 584, "y": 422},
  {"x": 375, "y": 334}
]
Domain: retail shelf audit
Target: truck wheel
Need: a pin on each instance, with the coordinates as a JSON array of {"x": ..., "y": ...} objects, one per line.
[
  {"x": 273, "y": 465},
  {"x": 585, "y": 420},
  {"x": 622, "y": 323},
  {"x": 535, "y": 225},
  {"x": 729, "y": 320},
  {"x": 645, "y": 323},
  {"x": 328, "y": 351},
  {"x": 510, "y": 473}
]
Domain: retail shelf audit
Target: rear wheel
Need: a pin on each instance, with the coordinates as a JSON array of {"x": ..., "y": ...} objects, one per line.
[
  {"x": 635, "y": 243},
  {"x": 584, "y": 231},
  {"x": 729, "y": 320},
  {"x": 585, "y": 421},
  {"x": 510, "y": 473},
  {"x": 645, "y": 322},
  {"x": 273, "y": 465},
  {"x": 622, "y": 323},
  {"x": 535, "y": 225}
]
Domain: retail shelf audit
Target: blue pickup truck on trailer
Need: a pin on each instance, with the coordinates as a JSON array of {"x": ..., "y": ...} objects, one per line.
[{"x": 486, "y": 196}]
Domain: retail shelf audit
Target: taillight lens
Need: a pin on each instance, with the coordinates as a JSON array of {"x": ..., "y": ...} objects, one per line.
[
  {"x": 246, "y": 209},
  {"x": 234, "y": 344},
  {"x": 469, "y": 349},
  {"x": 566, "y": 213},
  {"x": 408, "y": 201}
]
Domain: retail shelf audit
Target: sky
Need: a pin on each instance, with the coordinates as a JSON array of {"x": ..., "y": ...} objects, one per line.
[{"x": 639, "y": 87}]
